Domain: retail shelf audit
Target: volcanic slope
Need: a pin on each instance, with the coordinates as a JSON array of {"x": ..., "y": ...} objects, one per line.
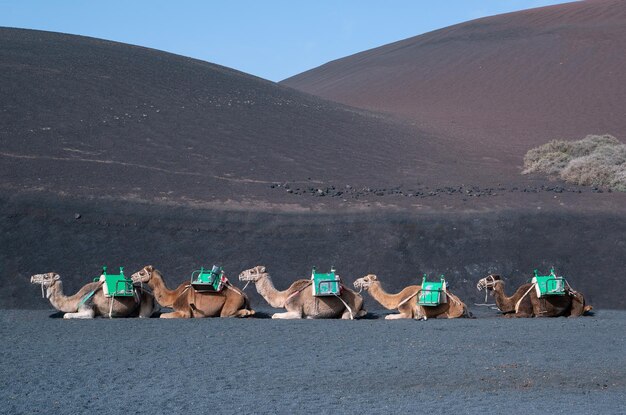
[
  {"x": 496, "y": 86},
  {"x": 91, "y": 118}
]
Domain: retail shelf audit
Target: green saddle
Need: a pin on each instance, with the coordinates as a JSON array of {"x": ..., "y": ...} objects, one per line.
[
  {"x": 325, "y": 284},
  {"x": 208, "y": 280},
  {"x": 547, "y": 285},
  {"x": 116, "y": 285},
  {"x": 433, "y": 293}
]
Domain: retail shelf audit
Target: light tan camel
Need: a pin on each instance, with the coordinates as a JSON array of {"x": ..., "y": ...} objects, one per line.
[
  {"x": 299, "y": 301},
  {"x": 90, "y": 300},
  {"x": 189, "y": 303},
  {"x": 525, "y": 302},
  {"x": 406, "y": 301}
]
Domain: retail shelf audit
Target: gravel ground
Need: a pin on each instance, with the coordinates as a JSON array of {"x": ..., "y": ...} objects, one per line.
[{"x": 483, "y": 365}]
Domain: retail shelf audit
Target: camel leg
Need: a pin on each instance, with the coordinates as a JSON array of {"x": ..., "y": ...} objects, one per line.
[
  {"x": 347, "y": 316},
  {"x": 518, "y": 315},
  {"x": 82, "y": 313},
  {"x": 244, "y": 313},
  {"x": 176, "y": 314},
  {"x": 289, "y": 315},
  {"x": 578, "y": 308},
  {"x": 146, "y": 309},
  {"x": 361, "y": 313},
  {"x": 233, "y": 307},
  {"x": 395, "y": 316}
]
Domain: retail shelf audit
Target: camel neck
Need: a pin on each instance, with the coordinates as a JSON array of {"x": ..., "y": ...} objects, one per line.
[
  {"x": 60, "y": 301},
  {"x": 389, "y": 301},
  {"x": 163, "y": 295},
  {"x": 504, "y": 303},
  {"x": 265, "y": 287}
]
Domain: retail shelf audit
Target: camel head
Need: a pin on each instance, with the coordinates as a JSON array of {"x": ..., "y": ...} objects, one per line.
[
  {"x": 46, "y": 281},
  {"x": 489, "y": 282},
  {"x": 365, "y": 282},
  {"x": 253, "y": 274},
  {"x": 144, "y": 275}
]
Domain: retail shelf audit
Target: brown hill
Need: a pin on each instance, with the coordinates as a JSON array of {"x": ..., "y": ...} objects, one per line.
[
  {"x": 496, "y": 86},
  {"x": 90, "y": 118}
]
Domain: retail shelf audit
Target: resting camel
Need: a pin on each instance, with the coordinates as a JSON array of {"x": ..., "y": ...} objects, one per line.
[
  {"x": 406, "y": 302},
  {"x": 188, "y": 303},
  {"x": 525, "y": 302},
  {"x": 299, "y": 301},
  {"x": 90, "y": 300}
]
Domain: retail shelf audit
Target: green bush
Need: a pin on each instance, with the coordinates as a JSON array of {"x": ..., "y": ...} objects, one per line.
[{"x": 596, "y": 160}]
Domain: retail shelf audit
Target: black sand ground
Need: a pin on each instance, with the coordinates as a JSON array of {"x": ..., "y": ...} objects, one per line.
[{"x": 485, "y": 365}]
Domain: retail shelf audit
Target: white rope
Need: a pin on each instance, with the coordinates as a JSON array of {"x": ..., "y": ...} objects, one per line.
[
  {"x": 347, "y": 306},
  {"x": 111, "y": 308},
  {"x": 520, "y": 300},
  {"x": 408, "y": 298}
]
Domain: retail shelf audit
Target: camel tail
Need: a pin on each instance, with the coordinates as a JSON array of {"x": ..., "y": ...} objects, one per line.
[{"x": 467, "y": 313}]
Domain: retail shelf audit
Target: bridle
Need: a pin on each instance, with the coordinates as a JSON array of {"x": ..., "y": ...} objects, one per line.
[{"x": 489, "y": 282}]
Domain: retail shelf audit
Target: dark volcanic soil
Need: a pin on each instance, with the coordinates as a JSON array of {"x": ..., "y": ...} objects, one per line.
[
  {"x": 488, "y": 365},
  {"x": 588, "y": 248}
]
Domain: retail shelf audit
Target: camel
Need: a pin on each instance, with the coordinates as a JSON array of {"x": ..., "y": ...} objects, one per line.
[
  {"x": 188, "y": 303},
  {"x": 90, "y": 300},
  {"x": 525, "y": 302},
  {"x": 406, "y": 302},
  {"x": 299, "y": 301}
]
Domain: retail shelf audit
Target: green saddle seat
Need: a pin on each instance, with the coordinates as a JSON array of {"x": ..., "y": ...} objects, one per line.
[
  {"x": 208, "y": 280},
  {"x": 433, "y": 293},
  {"x": 547, "y": 285},
  {"x": 325, "y": 284},
  {"x": 116, "y": 285}
]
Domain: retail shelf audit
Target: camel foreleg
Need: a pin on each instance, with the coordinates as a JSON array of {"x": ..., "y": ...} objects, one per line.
[
  {"x": 289, "y": 315},
  {"x": 82, "y": 313},
  {"x": 176, "y": 314},
  {"x": 147, "y": 307},
  {"x": 244, "y": 313},
  {"x": 396, "y": 316}
]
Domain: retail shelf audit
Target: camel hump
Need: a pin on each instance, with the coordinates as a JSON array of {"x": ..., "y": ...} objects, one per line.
[{"x": 299, "y": 285}]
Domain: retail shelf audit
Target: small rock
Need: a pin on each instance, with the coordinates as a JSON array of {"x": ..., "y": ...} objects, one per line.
[{"x": 77, "y": 216}]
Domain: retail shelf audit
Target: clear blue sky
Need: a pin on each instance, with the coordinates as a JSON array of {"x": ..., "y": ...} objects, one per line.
[{"x": 273, "y": 39}]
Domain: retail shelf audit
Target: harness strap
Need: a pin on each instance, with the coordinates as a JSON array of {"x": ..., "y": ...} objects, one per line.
[
  {"x": 409, "y": 297},
  {"x": 232, "y": 288},
  {"x": 87, "y": 297},
  {"x": 347, "y": 306},
  {"x": 532, "y": 286},
  {"x": 293, "y": 294}
]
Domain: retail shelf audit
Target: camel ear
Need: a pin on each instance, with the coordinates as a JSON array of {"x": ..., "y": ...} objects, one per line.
[
  {"x": 149, "y": 268},
  {"x": 496, "y": 277},
  {"x": 56, "y": 277},
  {"x": 374, "y": 277}
]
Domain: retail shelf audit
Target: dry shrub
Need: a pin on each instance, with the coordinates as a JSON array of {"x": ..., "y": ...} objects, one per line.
[{"x": 596, "y": 160}]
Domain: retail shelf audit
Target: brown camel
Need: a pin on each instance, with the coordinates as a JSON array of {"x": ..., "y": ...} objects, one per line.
[
  {"x": 90, "y": 300},
  {"x": 406, "y": 301},
  {"x": 525, "y": 302},
  {"x": 299, "y": 301},
  {"x": 188, "y": 303}
]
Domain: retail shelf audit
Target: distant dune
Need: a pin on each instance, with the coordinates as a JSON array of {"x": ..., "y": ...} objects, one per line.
[{"x": 497, "y": 86}]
